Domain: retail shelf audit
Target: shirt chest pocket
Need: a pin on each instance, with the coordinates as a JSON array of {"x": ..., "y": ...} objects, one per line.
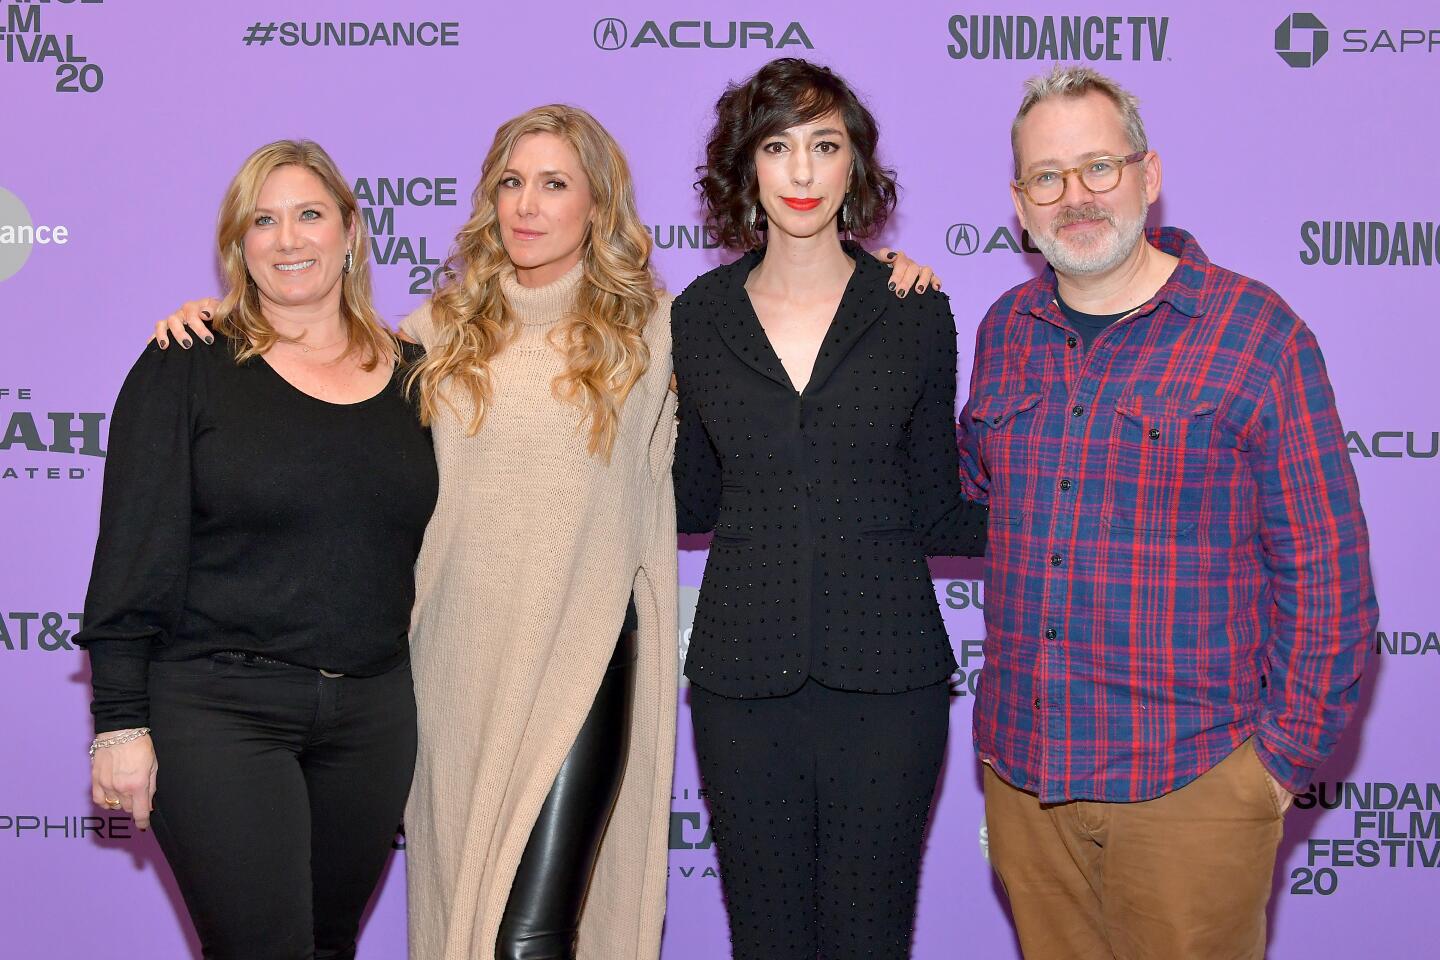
[
  {"x": 1005, "y": 427},
  {"x": 1161, "y": 450},
  {"x": 998, "y": 417}
]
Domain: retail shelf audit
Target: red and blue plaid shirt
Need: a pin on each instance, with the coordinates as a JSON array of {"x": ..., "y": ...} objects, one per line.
[{"x": 1178, "y": 560}]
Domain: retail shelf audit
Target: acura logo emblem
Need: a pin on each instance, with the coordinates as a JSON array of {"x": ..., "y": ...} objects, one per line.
[
  {"x": 610, "y": 33},
  {"x": 962, "y": 239}
]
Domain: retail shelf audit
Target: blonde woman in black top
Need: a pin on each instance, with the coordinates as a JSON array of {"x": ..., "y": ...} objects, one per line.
[{"x": 248, "y": 610}]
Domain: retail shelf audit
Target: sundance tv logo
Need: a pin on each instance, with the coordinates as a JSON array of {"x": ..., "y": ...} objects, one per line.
[
  {"x": 1302, "y": 39},
  {"x": 612, "y": 33},
  {"x": 990, "y": 37}
]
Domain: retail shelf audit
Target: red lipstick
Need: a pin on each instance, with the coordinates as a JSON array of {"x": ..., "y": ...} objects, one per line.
[{"x": 801, "y": 203}]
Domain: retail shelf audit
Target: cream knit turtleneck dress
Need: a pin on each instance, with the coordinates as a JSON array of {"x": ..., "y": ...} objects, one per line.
[{"x": 530, "y": 558}]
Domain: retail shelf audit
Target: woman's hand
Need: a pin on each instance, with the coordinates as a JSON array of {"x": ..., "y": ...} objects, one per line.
[
  {"x": 189, "y": 318},
  {"x": 906, "y": 273},
  {"x": 122, "y": 777}
]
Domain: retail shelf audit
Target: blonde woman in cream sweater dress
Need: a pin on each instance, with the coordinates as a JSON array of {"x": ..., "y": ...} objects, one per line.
[
  {"x": 538, "y": 821},
  {"x": 521, "y": 589}
]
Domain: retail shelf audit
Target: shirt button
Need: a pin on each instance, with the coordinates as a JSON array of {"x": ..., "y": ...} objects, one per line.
[
  {"x": 1076, "y": 410},
  {"x": 1154, "y": 433},
  {"x": 995, "y": 421},
  {"x": 1037, "y": 703},
  {"x": 1071, "y": 342},
  {"x": 1056, "y": 559},
  {"x": 1066, "y": 484},
  {"x": 1049, "y": 633}
]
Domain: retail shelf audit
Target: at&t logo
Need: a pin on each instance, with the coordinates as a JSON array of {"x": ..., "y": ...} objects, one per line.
[
  {"x": 1301, "y": 39},
  {"x": 611, "y": 33}
]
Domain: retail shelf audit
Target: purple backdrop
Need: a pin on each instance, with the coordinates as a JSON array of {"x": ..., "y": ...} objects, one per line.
[{"x": 1299, "y": 148}]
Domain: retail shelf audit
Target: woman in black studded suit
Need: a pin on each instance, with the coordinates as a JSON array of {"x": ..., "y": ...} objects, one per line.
[{"x": 817, "y": 441}]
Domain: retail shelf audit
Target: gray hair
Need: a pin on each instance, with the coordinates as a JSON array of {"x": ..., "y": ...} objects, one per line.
[{"x": 1076, "y": 82}]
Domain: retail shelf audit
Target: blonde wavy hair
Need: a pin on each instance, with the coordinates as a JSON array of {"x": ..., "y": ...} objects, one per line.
[
  {"x": 239, "y": 314},
  {"x": 603, "y": 340}
]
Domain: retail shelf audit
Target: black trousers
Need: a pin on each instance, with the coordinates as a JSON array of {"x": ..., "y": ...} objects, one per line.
[
  {"x": 542, "y": 916},
  {"x": 819, "y": 802},
  {"x": 278, "y": 797}
]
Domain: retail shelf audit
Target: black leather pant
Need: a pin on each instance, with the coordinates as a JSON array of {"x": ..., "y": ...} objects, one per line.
[{"x": 542, "y": 916}]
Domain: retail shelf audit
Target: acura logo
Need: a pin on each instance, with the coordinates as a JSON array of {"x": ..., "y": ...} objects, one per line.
[
  {"x": 610, "y": 33},
  {"x": 962, "y": 239}
]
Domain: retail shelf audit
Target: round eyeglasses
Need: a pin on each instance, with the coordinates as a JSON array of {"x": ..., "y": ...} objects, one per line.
[{"x": 1098, "y": 174}]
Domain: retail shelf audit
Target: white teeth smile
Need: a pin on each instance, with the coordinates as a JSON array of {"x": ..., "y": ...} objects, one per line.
[{"x": 291, "y": 267}]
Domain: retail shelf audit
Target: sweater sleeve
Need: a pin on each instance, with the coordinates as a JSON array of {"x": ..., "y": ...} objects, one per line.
[
  {"x": 137, "y": 582},
  {"x": 420, "y": 326},
  {"x": 947, "y": 523}
]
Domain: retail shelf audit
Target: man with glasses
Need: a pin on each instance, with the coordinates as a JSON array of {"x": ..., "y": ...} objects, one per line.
[{"x": 1178, "y": 596}]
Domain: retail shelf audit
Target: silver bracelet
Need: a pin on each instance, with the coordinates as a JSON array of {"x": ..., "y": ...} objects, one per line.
[{"x": 135, "y": 734}]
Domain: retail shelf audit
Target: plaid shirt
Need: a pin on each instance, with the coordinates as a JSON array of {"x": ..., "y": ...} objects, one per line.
[{"x": 1178, "y": 560}]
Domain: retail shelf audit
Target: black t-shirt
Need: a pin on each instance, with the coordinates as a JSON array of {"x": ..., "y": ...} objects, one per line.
[
  {"x": 240, "y": 513},
  {"x": 1088, "y": 325}
]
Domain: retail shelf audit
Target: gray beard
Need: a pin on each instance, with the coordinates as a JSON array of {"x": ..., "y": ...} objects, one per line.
[{"x": 1100, "y": 256}]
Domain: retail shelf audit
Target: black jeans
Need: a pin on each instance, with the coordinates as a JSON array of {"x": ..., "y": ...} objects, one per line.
[
  {"x": 542, "y": 916},
  {"x": 278, "y": 796}
]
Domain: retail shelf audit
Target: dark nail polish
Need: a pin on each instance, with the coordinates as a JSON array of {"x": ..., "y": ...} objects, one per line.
[
  {"x": 185, "y": 344},
  {"x": 164, "y": 344},
  {"x": 891, "y": 255},
  {"x": 902, "y": 294},
  {"x": 892, "y": 284},
  {"x": 205, "y": 314},
  {"x": 920, "y": 289},
  {"x": 209, "y": 339}
]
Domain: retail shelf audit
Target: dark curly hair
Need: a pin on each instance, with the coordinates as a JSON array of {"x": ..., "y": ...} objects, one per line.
[{"x": 785, "y": 93}]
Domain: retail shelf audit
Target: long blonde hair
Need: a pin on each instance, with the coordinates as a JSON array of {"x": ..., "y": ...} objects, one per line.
[
  {"x": 605, "y": 350},
  {"x": 239, "y": 314}
]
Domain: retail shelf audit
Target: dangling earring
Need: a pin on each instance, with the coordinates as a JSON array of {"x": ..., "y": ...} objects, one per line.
[
  {"x": 844, "y": 217},
  {"x": 755, "y": 219},
  {"x": 349, "y": 262}
]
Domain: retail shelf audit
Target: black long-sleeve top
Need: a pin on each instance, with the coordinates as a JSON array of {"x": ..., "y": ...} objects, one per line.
[
  {"x": 239, "y": 513},
  {"x": 824, "y": 502}
]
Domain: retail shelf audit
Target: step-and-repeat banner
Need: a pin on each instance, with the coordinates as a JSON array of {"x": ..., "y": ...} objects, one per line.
[{"x": 1299, "y": 147}]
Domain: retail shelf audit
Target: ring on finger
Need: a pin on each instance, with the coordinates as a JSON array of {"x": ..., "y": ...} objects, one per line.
[{"x": 113, "y": 802}]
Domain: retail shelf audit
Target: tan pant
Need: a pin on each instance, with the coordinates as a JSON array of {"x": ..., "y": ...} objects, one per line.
[{"x": 1185, "y": 876}]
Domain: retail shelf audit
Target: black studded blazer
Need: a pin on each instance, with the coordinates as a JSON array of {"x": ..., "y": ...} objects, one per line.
[{"x": 824, "y": 503}]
